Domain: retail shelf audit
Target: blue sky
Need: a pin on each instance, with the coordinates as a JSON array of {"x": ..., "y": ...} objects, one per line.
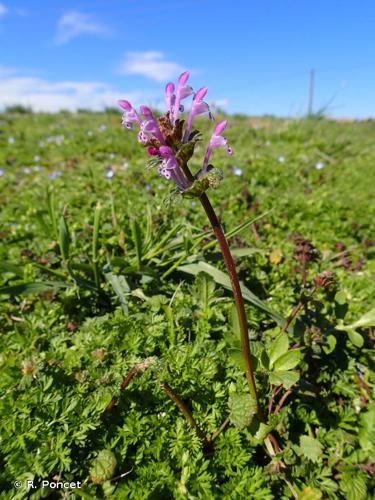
[{"x": 254, "y": 55}]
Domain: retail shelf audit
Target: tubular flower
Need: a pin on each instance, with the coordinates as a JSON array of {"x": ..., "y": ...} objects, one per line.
[
  {"x": 149, "y": 127},
  {"x": 130, "y": 114},
  {"x": 169, "y": 96},
  {"x": 182, "y": 92},
  {"x": 170, "y": 145},
  {"x": 216, "y": 141},
  {"x": 170, "y": 168},
  {"x": 198, "y": 107}
]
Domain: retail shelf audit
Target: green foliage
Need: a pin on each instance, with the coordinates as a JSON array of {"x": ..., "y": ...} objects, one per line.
[
  {"x": 98, "y": 276},
  {"x": 242, "y": 407}
]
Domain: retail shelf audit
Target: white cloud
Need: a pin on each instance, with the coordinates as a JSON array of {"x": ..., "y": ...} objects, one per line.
[
  {"x": 150, "y": 64},
  {"x": 44, "y": 95},
  {"x": 3, "y": 9},
  {"x": 219, "y": 103},
  {"x": 73, "y": 24}
]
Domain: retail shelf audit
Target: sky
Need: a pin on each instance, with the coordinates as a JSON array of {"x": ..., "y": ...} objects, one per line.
[{"x": 255, "y": 56}]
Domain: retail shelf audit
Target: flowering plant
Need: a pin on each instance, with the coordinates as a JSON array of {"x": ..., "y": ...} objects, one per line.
[{"x": 172, "y": 143}]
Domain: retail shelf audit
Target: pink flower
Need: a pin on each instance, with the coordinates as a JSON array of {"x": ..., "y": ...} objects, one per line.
[
  {"x": 130, "y": 114},
  {"x": 198, "y": 107},
  {"x": 216, "y": 141},
  {"x": 170, "y": 168},
  {"x": 182, "y": 92},
  {"x": 169, "y": 96},
  {"x": 149, "y": 127}
]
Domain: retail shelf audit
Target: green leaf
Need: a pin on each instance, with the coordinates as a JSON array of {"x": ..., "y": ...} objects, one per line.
[
  {"x": 367, "y": 429},
  {"x": 330, "y": 344},
  {"x": 9, "y": 267},
  {"x": 237, "y": 358},
  {"x": 120, "y": 287},
  {"x": 279, "y": 347},
  {"x": 64, "y": 238},
  {"x": 245, "y": 252},
  {"x": 353, "y": 485},
  {"x": 223, "y": 279},
  {"x": 355, "y": 338},
  {"x": 284, "y": 378},
  {"x": 137, "y": 239},
  {"x": 340, "y": 297},
  {"x": 262, "y": 432},
  {"x": 242, "y": 408},
  {"x": 310, "y": 448},
  {"x": 103, "y": 467},
  {"x": 288, "y": 360},
  {"x": 234, "y": 321},
  {"x": 206, "y": 288},
  {"x": 364, "y": 321},
  {"x": 33, "y": 287}
]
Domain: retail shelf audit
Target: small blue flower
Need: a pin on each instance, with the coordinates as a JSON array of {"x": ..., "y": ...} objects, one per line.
[
  {"x": 319, "y": 165},
  {"x": 281, "y": 159},
  {"x": 109, "y": 173},
  {"x": 2, "y": 172},
  {"x": 54, "y": 175},
  {"x": 237, "y": 170},
  {"x": 26, "y": 170},
  {"x": 10, "y": 140}
]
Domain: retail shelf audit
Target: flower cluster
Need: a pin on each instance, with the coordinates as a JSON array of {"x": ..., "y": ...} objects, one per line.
[{"x": 168, "y": 138}]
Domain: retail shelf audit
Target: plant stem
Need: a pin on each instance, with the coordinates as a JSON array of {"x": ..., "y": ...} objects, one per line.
[
  {"x": 282, "y": 400},
  {"x": 217, "y": 433},
  {"x": 237, "y": 293},
  {"x": 296, "y": 310},
  {"x": 125, "y": 382},
  {"x": 139, "y": 367},
  {"x": 184, "y": 410}
]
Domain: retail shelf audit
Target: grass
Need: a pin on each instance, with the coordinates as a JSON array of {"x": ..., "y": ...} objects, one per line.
[{"x": 99, "y": 275}]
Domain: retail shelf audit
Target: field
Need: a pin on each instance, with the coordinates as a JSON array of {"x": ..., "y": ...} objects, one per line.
[{"x": 102, "y": 276}]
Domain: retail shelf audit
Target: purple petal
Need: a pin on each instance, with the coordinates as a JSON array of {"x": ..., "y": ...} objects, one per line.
[
  {"x": 183, "y": 78},
  {"x": 125, "y": 104},
  {"x": 165, "y": 151},
  {"x": 169, "y": 88},
  {"x": 200, "y": 94},
  {"x": 186, "y": 91},
  {"x": 199, "y": 108},
  {"x": 220, "y": 127},
  {"x": 146, "y": 111},
  {"x": 217, "y": 141}
]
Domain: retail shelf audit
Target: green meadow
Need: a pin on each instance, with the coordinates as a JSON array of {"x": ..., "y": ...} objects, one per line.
[{"x": 102, "y": 273}]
